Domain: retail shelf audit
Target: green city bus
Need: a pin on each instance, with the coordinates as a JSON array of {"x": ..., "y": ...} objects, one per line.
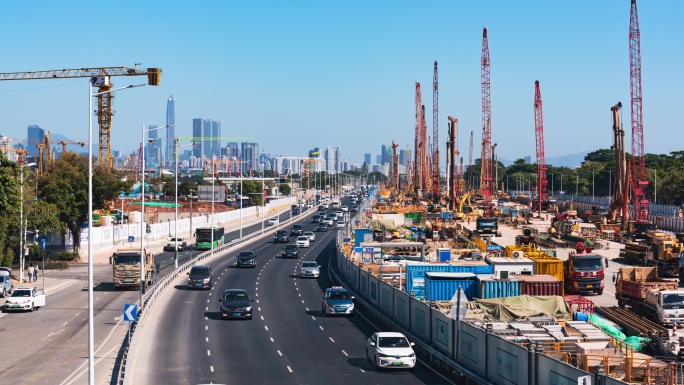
[{"x": 203, "y": 237}]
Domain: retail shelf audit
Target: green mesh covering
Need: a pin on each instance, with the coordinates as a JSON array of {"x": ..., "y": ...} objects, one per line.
[
  {"x": 637, "y": 342},
  {"x": 607, "y": 327}
]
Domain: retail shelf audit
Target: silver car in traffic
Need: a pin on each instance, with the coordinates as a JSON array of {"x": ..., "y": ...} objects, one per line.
[{"x": 309, "y": 269}]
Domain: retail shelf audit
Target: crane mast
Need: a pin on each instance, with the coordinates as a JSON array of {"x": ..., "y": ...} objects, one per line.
[
  {"x": 640, "y": 182},
  {"x": 486, "y": 172},
  {"x": 435, "y": 135},
  {"x": 452, "y": 168},
  {"x": 417, "y": 182},
  {"x": 542, "y": 183},
  {"x": 620, "y": 193},
  {"x": 470, "y": 163}
]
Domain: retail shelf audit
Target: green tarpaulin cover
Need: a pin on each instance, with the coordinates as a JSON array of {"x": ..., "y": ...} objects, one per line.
[{"x": 511, "y": 308}]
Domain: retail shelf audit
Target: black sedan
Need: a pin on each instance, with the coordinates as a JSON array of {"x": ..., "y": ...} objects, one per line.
[
  {"x": 322, "y": 227},
  {"x": 290, "y": 251},
  {"x": 235, "y": 303},
  {"x": 281, "y": 236},
  {"x": 246, "y": 259}
]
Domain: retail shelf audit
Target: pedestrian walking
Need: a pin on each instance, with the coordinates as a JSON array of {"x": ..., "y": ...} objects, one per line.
[
  {"x": 30, "y": 273},
  {"x": 35, "y": 272}
]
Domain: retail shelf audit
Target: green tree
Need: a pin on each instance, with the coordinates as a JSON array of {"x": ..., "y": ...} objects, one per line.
[
  {"x": 185, "y": 187},
  {"x": 10, "y": 179},
  {"x": 284, "y": 189},
  {"x": 66, "y": 187}
]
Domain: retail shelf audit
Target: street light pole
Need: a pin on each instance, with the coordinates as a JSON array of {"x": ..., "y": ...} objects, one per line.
[
  {"x": 142, "y": 223},
  {"x": 91, "y": 322},
  {"x": 240, "y": 208},
  {"x": 175, "y": 227}
]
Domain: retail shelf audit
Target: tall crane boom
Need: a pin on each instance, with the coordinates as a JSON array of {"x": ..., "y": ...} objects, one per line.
[
  {"x": 104, "y": 99},
  {"x": 486, "y": 173},
  {"x": 435, "y": 135},
  {"x": 452, "y": 168},
  {"x": 470, "y": 163},
  {"x": 640, "y": 182},
  {"x": 542, "y": 184},
  {"x": 417, "y": 182}
]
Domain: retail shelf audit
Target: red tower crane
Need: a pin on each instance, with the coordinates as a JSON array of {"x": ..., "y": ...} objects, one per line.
[
  {"x": 640, "y": 182},
  {"x": 486, "y": 172},
  {"x": 435, "y": 134},
  {"x": 542, "y": 184}
]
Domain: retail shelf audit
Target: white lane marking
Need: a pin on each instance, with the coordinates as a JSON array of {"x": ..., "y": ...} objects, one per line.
[
  {"x": 97, "y": 299},
  {"x": 259, "y": 308},
  {"x": 302, "y": 301},
  {"x": 296, "y": 288},
  {"x": 257, "y": 301},
  {"x": 262, "y": 318},
  {"x": 299, "y": 294},
  {"x": 206, "y": 339},
  {"x": 362, "y": 371},
  {"x": 256, "y": 295},
  {"x": 207, "y": 301},
  {"x": 312, "y": 317},
  {"x": 206, "y": 318},
  {"x": 345, "y": 353},
  {"x": 272, "y": 340},
  {"x": 265, "y": 327},
  {"x": 279, "y": 353},
  {"x": 321, "y": 327},
  {"x": 208, "y": 352},
  {"x": 64, "y": 324},
  {"x": 331, "y": 339},
  {"x": 606, "y": 291},
  {"x": 209, "y": 294},
  {"x": 206, "y": 308},
  {"x": 289, "y": 369},
  {"x": 257, "y": 283},
  {"x": 76, "y": 315},
  {"x": 206, "y": 327},
  {"x": 211, "y": 368}
]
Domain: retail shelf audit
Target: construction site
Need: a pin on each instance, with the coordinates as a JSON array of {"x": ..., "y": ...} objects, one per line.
[{"x": 599, "y": 291}]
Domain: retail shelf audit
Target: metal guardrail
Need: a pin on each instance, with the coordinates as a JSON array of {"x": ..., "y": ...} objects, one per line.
[
  {"x": 433, "y": 354},
  {"x": 161, "y": 285}
]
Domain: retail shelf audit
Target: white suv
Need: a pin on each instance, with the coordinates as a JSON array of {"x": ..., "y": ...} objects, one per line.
[{"x": 175, "y": 242}]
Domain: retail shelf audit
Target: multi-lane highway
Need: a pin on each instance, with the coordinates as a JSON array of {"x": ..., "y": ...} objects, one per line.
[
  {"x": 49, "y": 346},
  {"x": 288, "y": 341}
]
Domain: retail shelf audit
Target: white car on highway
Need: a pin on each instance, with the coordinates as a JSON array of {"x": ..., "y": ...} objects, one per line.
[
  {"x": 344, "y": 208},
  {"x": 311, "y": 235},
  {"x": 302, "y": 241},
  {"x": 25, "y": 298},
  {"x": 309, "y": 269},
  {"x": 273, "y": 221},
  {"x": 390, "y": 350}
]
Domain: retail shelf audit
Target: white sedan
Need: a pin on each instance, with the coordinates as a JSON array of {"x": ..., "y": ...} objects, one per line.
[
  {"x": 25, "y": 298},
  {"x": 390, "y": 350},
  {"x": 311, "y": 235},
  {"x": 344, "y": 208},
  {"x": 273, "y": 221},
  {"x": 302, "y": 241}
]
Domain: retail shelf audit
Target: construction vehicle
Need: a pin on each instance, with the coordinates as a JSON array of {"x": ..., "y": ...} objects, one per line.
[
  {"x": 126, "y": 268},
  {"x": 661, "y": 249},
  {"x": 584, "y": 271},
  {"x": 487, "y": 227},
  {"x": 664, "y": 306},
  {"x": 633, "y": 283}
]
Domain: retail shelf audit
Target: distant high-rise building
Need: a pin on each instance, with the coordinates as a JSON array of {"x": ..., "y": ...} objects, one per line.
[
  {"x": 404, "y": 156},
  {"x": 367, "y": 158},
  {"x": 206, "y": 143},
  {"x": 528, "y": 159},
  {"x": 170, "y": 129},
  {"x": 264, "y": 161},
  {"x": 35, "y": 134},
  {"x": 250, "y": 156},
  {"x": 232, "y": 149},
  {"x": 153, "y": 147},
  {"x": 215, "y": 142},
  {"x": 333, "y": 157},
  {"x": 378, "y": 159},
  {"x": 386, "y": 154},
  {"x": 345, "y": 165}
]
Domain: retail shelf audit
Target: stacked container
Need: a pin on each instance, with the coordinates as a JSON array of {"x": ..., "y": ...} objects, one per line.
[
  {"x": 441, "y": 286},
  {"x": 415, "y": 272},
  {"x": 488, "y": 286},
  {"x": 540, "y": 285},
  {"x": 511, "y": 265}
]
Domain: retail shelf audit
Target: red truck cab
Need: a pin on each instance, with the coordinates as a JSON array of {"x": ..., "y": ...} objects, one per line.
[{"x": 584, "y": 271}]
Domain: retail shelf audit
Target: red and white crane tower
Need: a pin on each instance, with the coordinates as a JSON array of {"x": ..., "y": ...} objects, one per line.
[
  {"x": 435, "y": 135},
  {"x": 639, "y": 181},
  {"x": 542, "y": 183},
  {"x": 486, "y": 172}
]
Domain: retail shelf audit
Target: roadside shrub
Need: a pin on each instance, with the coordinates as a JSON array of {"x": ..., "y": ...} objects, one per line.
[
  {"x": 68, "y": 256},
  {"x": 56, "y": 265}
]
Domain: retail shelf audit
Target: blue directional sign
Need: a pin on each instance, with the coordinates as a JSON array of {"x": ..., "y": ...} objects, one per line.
[
  {"x": 131, "y": 238},
  {"x": 43, "y": 242},
  {"x": 130, "y": 312}
]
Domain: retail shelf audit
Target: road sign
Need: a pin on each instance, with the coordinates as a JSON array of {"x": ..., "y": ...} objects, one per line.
[
  {"x": 131, "y": 238},
  {"x": 43, "y": 242},
  {"x": 130, "y": 312}
]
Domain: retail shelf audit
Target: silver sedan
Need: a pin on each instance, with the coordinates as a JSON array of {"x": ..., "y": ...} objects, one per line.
[{"x": 309, "y": 269}]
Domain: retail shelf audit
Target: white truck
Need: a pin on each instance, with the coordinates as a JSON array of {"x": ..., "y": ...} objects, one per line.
[
  {"x": 664, "y": 306},
  {"x": 25, "y": 298}
]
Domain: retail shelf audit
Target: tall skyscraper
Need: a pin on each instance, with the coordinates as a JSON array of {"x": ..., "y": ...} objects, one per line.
[
  {"x": 35, "y": 134},
  {"x": 170, "y": 130},
  {"x": 385, "y": 155},
  {"x": 333, "y": 157},
  {"x": 367, "y": 158},
  {"x": 404, "y": 156},
  {"x": 250, "y": 155},
  {"x": 203, "y": 133},
  {"x": 233, "y": 149},
  {"x": 153, "y": 148}
]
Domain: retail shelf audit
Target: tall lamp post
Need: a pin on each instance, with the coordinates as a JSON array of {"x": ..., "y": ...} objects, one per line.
[
  {"x": 175, "y": 174},
  {"x": 91, "y": 325},
  {"x": 142, "y": 215}
]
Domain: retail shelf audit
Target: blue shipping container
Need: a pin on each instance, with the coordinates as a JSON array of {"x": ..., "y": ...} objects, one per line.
[
  {"x": 490, "y": 287},
  {"x": 444, "y": 254},
  {"x": 358, "y": 235},
  {"x": 418, "y": 271},
  {"x": 441, "y": 286}
]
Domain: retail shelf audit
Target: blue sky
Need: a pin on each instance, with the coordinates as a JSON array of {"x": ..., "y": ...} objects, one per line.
[{"x": 301, "y": 74}]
